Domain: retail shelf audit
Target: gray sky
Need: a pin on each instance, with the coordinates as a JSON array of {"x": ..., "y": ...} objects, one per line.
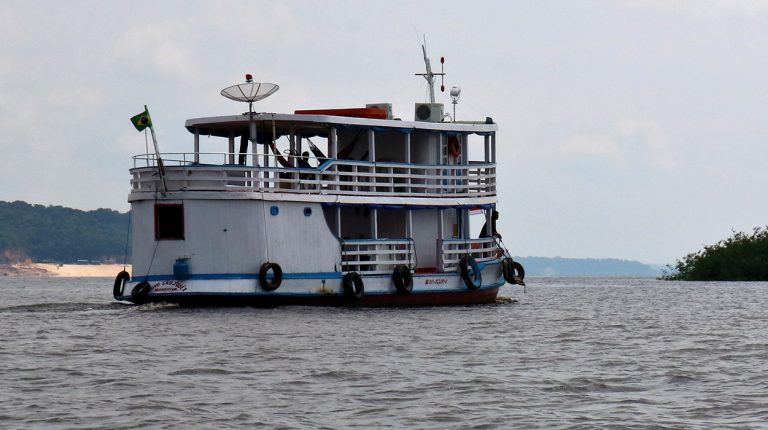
[{"x": 627, "y": 129}]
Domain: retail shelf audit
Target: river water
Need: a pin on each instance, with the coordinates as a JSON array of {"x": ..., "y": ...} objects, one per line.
[{"x": 571, "y": 353}]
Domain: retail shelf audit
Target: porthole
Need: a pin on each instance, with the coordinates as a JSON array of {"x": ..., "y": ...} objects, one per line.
[
  {"x": 307, "y": 211},
  {"x": 274, "y": 210}
]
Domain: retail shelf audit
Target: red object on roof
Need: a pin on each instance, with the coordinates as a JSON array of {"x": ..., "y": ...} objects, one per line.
[{"x": 372, "y": 113}]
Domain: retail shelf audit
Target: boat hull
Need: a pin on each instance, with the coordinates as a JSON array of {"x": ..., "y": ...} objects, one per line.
[{"x": 379, "y": 291}]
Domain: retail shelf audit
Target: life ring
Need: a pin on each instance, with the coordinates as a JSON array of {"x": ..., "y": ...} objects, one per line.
[
  {"x": 140, "y": 292},
  {"x": 402, "y": 278},
  {"x": 353, "y": 286},
  {"x": 277, "y": 276},
  {"x": 120, "y": 281},
  {"x": 513, "y": 272},
  {"x": 454, "y": 147},
  {"x": 470, "y": 272}
]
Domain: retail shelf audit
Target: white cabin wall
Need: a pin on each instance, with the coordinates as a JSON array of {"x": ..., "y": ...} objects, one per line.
[
  {"x": 425, "y": 242},
  {"x": 227, "y": 236},
  {"x": 450, "y": 224},
  {"x": 301, "y": 243},
  {"x": 424, "y": 147}
]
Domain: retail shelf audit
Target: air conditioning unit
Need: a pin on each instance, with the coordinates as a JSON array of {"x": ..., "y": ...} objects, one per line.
[
  {"x": 429, "y": 112},
  {"x": 386, "y": 106}
]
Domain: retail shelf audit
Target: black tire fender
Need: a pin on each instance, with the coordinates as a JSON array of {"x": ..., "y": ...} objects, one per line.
[
  {"x": 402, "y": 278},
  {"x": 141, "y": 291},
  {"x": 353, "y": 286},
  {"x": 513, "y": 272},
  {"x": 470, "y": 272},
  {"x": 277, "y": 277},
  {"x": 120, "y": 281}
]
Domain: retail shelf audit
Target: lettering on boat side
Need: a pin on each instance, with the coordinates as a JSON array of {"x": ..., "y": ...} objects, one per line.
[
  {"x": 168, "y": 287},
  {"x": 438, "y": 281}
]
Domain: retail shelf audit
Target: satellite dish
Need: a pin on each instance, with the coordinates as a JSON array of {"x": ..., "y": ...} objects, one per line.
[{"x": 250, "y": 91}]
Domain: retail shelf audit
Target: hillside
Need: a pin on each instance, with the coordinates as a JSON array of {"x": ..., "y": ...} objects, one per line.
[
  {"x": 59, "y": 234},
  {"x": 558, "y": 266}
]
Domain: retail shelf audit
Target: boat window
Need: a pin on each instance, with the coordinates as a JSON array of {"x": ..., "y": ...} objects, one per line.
[{"x": 169, "y": 221}]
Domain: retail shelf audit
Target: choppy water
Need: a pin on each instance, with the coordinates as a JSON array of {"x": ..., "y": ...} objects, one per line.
[{"x": 572, "y": 353}]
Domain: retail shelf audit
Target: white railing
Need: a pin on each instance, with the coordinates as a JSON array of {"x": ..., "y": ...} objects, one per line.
[
  {"x": 376, "y": 256},
  {"x": 326, "y": 176},
  {"x": 452, "y": 251}
]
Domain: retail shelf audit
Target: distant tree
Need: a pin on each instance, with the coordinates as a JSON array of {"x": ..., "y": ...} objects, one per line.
[
  {"x": 60, "y": 234},
  {"x": 741, "y": 257}
]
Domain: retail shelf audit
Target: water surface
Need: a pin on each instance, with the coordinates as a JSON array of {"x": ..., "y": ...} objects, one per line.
[{"x": 571, "y": 353}]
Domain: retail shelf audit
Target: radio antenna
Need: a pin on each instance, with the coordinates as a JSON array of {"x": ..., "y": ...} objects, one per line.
[{"x": 430, "y": 76}]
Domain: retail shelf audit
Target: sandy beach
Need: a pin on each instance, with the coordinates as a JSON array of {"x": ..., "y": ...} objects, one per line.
[{"x": 61, "y": 270}]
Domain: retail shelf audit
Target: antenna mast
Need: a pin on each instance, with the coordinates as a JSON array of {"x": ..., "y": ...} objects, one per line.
[{"x": 430, "y": 76}]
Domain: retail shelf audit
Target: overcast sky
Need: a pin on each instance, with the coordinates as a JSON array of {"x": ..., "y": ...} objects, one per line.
[{"x": 627, "y": 129}]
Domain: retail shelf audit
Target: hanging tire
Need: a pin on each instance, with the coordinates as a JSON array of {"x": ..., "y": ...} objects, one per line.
[
  {"x": 402, "y": 278},
  {"x": 470, "y": 272},
  {"x": 120, "y": 281},
  {"x": 140, "y": 292},
  {"x": 268, "y": 284},
  {"x": 354, "y": 288},
  {"x": 519, "y": 278}
]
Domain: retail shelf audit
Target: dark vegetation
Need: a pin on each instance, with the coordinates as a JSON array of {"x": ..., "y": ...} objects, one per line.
[
  {"x": 58, "y": 234},
  {"x": 741, "y": 257}
]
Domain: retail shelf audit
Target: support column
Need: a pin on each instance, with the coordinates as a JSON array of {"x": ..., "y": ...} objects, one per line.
[
  {"x": 408, "y": 161},
  {"x": 487, "y": 144},
  {"x": 333, "y": 145},
  {"x": 439, "y": 242},
  {"x": 197, "y": 145},
  {"x": 493, "y": 147},
  {"x": 371, "y": 145},
  {"x": 231, "y": 155},
  {"x": 440, "y": 223},
  {"x": 440, "y": 143},
  {"x": 464, "y": 148},
  {"x": 374, "y": 223},
  {"x": 338, "y": 222},
  {"x": 409, "y": 224}
]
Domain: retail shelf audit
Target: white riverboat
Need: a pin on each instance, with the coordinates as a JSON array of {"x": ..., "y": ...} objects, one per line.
[{"x": 324, "y": 207}]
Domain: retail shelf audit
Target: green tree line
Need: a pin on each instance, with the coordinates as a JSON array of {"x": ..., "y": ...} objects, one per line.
[
  {"x": 59, "y": 234},
  {"x": 741, "y": 257}
]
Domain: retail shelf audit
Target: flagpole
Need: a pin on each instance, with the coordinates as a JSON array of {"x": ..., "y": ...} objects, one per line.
[
  {"x": 146, "y": 146},
  {"x": 160, "y": 167}
]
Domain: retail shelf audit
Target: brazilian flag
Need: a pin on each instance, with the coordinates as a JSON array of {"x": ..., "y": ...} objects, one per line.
[{"x": 142, "y": 120}]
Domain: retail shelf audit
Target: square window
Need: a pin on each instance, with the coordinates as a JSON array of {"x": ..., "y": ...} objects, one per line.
[{"x": 169, "y": 221}]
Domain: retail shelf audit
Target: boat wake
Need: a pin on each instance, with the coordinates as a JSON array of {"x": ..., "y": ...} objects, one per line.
[{"x": 58, "y": 307}]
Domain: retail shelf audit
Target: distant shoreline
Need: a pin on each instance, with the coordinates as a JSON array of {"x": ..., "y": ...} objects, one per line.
[{"x": 50, "y": 270}]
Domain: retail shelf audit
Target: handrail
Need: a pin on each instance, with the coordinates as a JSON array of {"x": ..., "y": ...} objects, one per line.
[
  {"x": 332, "y": 176},
  {"x": 376, "y": 256},
  {"x": 452, "y": 251}
]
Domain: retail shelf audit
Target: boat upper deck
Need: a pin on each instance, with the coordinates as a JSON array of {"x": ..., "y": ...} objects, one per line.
[{"x": 330, "y": 157}]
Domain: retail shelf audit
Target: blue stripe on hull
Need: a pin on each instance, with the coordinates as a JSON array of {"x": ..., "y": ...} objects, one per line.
[{"x": 296, "y": 275}]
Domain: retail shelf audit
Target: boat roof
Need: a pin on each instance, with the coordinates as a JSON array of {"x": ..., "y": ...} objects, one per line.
[{"x": 223, "y": 126}]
